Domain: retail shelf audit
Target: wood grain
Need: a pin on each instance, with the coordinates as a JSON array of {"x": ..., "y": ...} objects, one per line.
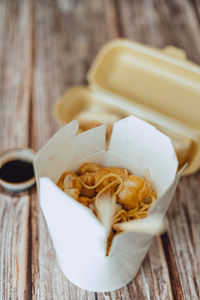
[
  {"x": 162, "y": 22},
  {"x": 65, "y": 44},
  {"x": 46, "y": 47},
  {"x": 196, "y": 7},
  {"x": 14, "y": 215},
  {"x": 184, "y": 235},
  {"x": 15, "y": 66},
  {"x": 174, "y": 22}
]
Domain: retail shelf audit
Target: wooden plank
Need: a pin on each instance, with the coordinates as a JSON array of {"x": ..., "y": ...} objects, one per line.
[
  {"x": 15, "y": 63},
  {"x": 14, "y": 215},
  {"x": 152, "y": 282},
  {"x": 184, "y": 235},
  {"x": 58, "y": 53},
  {"x": 15, "y": 77},
  {"x": 160, "y": 23},
  {"x": 196, "y": 6},
  {"x": 67, "y": 36}
]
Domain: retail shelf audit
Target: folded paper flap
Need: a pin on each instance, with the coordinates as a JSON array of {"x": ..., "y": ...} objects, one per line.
[
  {"x": 66, "y": 132},
  {"x": 142, "y": 143},
  {"x": 126, "y": 241},
  {"x": 88, "y": 143},
  {"x": 52, "y": 160},
  {"x": 45, "y": 159},
  {"x": 64, "y": 214}
]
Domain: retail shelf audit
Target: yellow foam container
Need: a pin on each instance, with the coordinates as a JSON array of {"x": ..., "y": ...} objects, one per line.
[{"x": 161, "y": 87}]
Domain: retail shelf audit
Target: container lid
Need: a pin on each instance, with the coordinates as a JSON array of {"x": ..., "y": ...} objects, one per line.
[
  {"x": 160, "y": 86},
  {"x": 16, "y": 169}
]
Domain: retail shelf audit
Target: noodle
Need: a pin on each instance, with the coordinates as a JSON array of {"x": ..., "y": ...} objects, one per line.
[
  {"x": 133, "y": 195},
  {"x": 89, "y": 187}
]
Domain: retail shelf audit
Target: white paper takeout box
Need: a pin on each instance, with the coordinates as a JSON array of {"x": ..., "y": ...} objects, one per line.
[{"x": 78, "y": 237}]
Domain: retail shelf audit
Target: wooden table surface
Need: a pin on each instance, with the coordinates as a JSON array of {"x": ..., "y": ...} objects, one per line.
[{"x": 46, "y": 47}]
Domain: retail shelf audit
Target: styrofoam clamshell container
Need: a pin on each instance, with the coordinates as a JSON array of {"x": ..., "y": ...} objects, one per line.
[
  {"x": 160, "y": 86},
  {"x": 78, "y": 236}
]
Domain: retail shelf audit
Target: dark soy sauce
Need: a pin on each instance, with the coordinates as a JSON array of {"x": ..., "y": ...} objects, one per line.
[{"x": 16, "y": 171}]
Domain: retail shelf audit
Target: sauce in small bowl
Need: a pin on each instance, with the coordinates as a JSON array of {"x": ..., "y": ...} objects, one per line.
[{"x": 16, "y": 169}]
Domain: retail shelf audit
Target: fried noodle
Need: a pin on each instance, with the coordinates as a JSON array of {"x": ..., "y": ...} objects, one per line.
[{"x": 132, "y": 195}]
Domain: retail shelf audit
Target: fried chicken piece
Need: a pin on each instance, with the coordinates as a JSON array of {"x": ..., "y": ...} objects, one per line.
[
  {"x": 88, "y": 167},
  {"x": 72, "y": 185},
  {"x": 123, "y": 173},
  {"x": 135, "y": 190},
  {"x": 89, "y": 179},
  {"x": 92, "y": 174}
]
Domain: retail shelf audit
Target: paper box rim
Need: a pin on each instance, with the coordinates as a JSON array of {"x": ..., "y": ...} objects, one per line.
[{"x": 71, "y": 130}]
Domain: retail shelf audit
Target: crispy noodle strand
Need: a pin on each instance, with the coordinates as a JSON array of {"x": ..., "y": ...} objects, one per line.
[{"x": 92, "y": 187}]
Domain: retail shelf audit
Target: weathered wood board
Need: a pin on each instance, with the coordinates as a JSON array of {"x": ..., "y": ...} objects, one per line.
[{"x": 46, "y": 47}]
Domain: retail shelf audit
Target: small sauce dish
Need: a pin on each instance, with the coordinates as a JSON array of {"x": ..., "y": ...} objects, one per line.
[{"x": 16, "y": 169}]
